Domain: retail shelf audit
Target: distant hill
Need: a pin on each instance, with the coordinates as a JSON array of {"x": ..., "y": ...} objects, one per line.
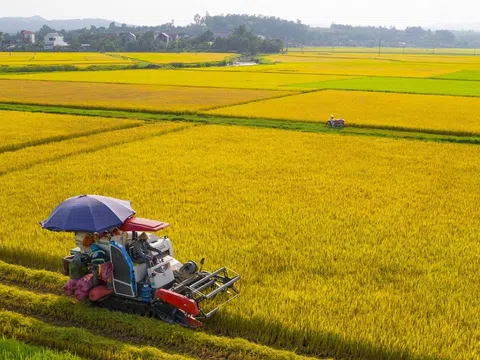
[{"x": 13, "y": 24}]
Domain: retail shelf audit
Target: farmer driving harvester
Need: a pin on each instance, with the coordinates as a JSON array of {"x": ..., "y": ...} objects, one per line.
[
  {"x": 124, "y": 271},
  {"x": 141, "y": 251}
]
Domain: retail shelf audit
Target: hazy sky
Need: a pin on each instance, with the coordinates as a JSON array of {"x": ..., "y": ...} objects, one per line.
[{"x": 399, "y": 13}]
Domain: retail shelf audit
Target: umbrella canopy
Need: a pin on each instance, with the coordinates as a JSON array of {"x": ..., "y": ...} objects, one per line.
[{"x": 91, "y": 213}]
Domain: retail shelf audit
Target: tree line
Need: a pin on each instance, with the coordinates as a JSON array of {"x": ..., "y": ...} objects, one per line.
[{"x": 251, "y": 34}]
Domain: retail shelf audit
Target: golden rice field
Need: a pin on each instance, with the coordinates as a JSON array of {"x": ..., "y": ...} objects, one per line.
[
  {"x": 420, "y": 112},
  {"x": 21, "y": 129},
  {"x": 224, "y": 79},
  {"x": 387, "y": 65},
  {"x": 348, "y": 246},
  {"x": 56, "y": 58},
  {"x": 166, "y": 58},
  {"x": 126, "y": 96}
]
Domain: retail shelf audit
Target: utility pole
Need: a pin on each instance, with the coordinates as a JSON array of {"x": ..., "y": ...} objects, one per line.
[{"x": 379, "y": 46}]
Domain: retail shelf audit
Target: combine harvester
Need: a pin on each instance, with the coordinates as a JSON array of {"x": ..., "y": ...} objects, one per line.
[
  {"x": 132, "y": 272},
  {"x": 332, "y": 123}
]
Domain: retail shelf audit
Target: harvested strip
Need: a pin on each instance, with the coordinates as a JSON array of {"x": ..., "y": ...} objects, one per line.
[
  {"x": 126, "y": 96},
  {"x": 446, "y": 114},
  {"x": 144, "y": 330},
  {"x": 75, "y": 340},
  {"x": 27, "y": 157},
  {"x": 16, "y": 350},
  {"x": 22, "y": 129}
]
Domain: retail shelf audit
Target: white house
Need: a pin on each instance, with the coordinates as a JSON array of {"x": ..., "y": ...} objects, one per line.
[{"x": 54, "y": 39}]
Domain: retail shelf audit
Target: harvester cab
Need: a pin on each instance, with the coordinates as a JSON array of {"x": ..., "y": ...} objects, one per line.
[{"x": 136, "y": 272}]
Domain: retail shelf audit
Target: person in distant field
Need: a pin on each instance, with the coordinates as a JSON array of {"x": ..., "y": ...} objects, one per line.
[{"x": 332, "y": 120}]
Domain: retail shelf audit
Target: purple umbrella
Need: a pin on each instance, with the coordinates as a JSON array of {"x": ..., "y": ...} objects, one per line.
[{"x": 91, "y": 213}]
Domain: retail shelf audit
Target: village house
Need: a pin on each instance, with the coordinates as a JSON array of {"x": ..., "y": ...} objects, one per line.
[
  {"x": 52, "y": 40},
  {"x": 127, "y": 37},
  {"x": 167, "y": 38},
  {"x": 28, "y": 36}
]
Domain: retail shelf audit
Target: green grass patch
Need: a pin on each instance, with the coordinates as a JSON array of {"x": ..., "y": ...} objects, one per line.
[
  {"x": 471, "y": 75},
  {"x": 397, "y": 85}
]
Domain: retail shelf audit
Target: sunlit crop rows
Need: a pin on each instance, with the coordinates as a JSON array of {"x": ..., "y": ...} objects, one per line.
[
  {"x": 118, "y": 329},
  {"x": 423, "y": 112},
  {"x": 223, "y": 79},
  {"x": 19, "y": 129},
  {"x": 346, "y": 245},
  {"x": 35, "y": 155},
  {"x": 126, "y": 96}
]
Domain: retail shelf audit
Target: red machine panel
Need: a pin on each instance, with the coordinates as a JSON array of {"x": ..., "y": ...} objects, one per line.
[
  {"x": 179, "y": 301},
  {"x": 141, "y": 224}
]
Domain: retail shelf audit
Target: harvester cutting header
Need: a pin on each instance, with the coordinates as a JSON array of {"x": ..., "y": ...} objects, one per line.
[{"x": 121, "y": 265}]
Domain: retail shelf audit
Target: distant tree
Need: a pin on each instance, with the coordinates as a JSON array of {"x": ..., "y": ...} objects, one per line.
[
  {"x": 444, "y": 38},
  {"x": 197, "y": 19}
]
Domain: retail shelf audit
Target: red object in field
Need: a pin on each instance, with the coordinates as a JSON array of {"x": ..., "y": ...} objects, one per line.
[
  {"x": 179, "y": 301},
  {"x": 192, "y": 322},
  {"x": 99, "y": 292},
  {"x": 141, "y": 224}
]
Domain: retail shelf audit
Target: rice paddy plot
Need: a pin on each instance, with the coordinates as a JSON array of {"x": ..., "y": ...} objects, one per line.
[
  {"x": 20, "y": 129},
  {"x": 58, "y": 58},
  {"x": 126, "y": 96},
  {"x": 184, "y": 57},
  {"x": 405, "y": 111},
  {"x": 357, "y": 67},
  {"x": 399, "y": 85},
  {"x": 193, "y": 78},
  {"x": 310, "y": 221}
]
